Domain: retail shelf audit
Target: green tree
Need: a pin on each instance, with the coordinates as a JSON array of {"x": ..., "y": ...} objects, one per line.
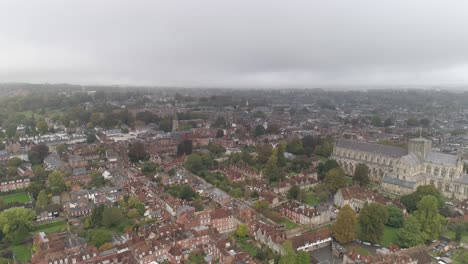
[
  {"x": 194, "y": 163},
  {"x": 100, "y": 237},
  {"x": 335, "y": 179},
  {"x": 323, "y": 168},
  {"x": 242, "y": 230},
  {"x": 42, "y": 127},
  {"x": 303, "y": 257},
  {"x": 388, "y": 122},
  {"x": 37, "y": 153},
  {"x": 412, "y": 122},
  {"x": 42, "y": 199},
  {"x": 428, "y": 216},
  {"x": 395, "y": 216},
  {"x": 137, "y": 152},
  {"x": 14, "y": 220},
  {"x": 187, "y": 193},
  {"x": 271, "y": 168},
  {"x": 280, "y": 154},
  {"x": 289, "y": 255},
  {"x": 344, "y": 230},
  {"x": 410, "y": 235},
  {"x": 56, "y": 182},
  {"x": 91, "y": 138},
  {"x": 112, "y": 217},
  {"x": 219, "y": 133},
  {"x": 196, "y": 258},
  {"x": 15, "y": 162},
  {"x": 61, "y": 149},
  {"x": 96, "y": 215},
  {"x": 372, "y": 219},
  {"x": 259, "y": 131},
  {"x": 361, "y": 175},
  {"x": 97, "y": 180},
  {"x": 263, "y": 152},
  {"x": 293, "y": 193},
  {"x": 295, "y": 146},
  {"x": 376, "y": 121},
  {"x": 425, "y": 122},
  {"x": 411, "y": 200}
]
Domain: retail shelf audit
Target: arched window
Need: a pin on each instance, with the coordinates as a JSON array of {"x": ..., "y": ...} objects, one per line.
[{"x": 428, "y": 169}]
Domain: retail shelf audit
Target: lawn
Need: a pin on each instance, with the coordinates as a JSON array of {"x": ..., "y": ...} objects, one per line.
[
  {"x": 349, "y": 181},
  {"x": 51, "y": 227},
  {"x": 247, "y": 246},
  {"x": 311, "y": 198},
  {"x": 288, "y": 224},
  {"x": 322, "y": 158},
  {"x": 451, "y": 234},
  {"x": 22, "y": 252},
  {"x": 460, "y": 256},
  {"x": 17, "y": 197},
  {"x": 389, "y": 236}
]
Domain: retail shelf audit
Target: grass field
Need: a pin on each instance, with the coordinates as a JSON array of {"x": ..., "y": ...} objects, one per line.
[
  {"x": 389, "y": 236},
  {"x": 51, "y": 227},
  {"x": 349, "y": 181},
  {"x": 311, "y": 199},
  {"x": 247, "y": 246},
  {"x": 451, "y": 235},
  {"x": 359, "y": 249},
  {"x": 22, "y": 252},
  {"x": 17, "y": 197}
]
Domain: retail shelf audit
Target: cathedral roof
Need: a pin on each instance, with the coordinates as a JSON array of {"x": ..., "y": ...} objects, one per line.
[
  {"x": 441, "y": 158},
  {"x": 462, "y": 179},
  {"x": 399, "y": 182},
  {"x": 390, "y": 151},
  {"x": 411, "y": 159}
]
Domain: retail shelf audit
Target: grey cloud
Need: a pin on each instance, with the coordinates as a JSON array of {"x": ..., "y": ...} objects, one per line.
[{"x": 235, "y": 43}]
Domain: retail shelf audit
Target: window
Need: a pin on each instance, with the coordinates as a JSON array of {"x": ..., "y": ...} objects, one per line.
[
  {"x": 447, "y": 187},
  {"x": 457, "y": 188}
]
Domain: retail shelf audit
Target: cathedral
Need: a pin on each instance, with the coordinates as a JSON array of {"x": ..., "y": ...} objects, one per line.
[{"x": 400, "y": 171}]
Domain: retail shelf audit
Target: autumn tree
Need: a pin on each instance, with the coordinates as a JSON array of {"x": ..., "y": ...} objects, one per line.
[
  {"x": 335, "y": 179},
  {"x": 263, "y": 152},
  {"x": 410, "y": 235},
  {"x": 37, "y": 153},
  {"x": 42, "y": 127},
  {"x": 344, "y": 230},
  {"x": 271, "y": 168},
  {"x": 112, "y": 217},
  {"x": 372, "y": 220},
  {"x": 361, "y": 175}
]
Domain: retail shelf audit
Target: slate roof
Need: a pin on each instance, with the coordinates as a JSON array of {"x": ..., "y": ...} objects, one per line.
[
  {"x": 462, "y": 179},
  {"x": 390, "y": 151},
  {"x": 441, "y": 158},
  {"x": 399, "y": 182}
]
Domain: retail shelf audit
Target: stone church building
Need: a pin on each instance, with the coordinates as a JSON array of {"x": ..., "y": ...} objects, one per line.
[{"x": 400, "y": 171}]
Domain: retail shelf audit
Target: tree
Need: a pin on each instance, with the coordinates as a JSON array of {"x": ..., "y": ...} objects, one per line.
[
  {"x": 42, "y": 127},
  {"x": 411, "y": 200},
  {"x": 61, "y": 148},
  {"x": 15, "y": 162},
  {"x": 295, "y": 146},
  {"x": 388, "y": 122},
  {"x": 242, "y": 230},
  {"x": 220, "y": 122},
  {"x": 184, "y": 147},
  {"x": 289, "y": 255},
  {"x": 14, "y": 220},
  {"x": 335, "y": 179},
  {"x": 372, "y": 219},
  {"x": 187, "y": 193},
  {"x": 90, "y": 138},
  {"x": 303, "y": 257},
  {"x": 100, "y": 237},
  {"x": 293, "y": 193},
  {"x": 361, "y": 175},
  {"x": 344, "y": 230},
  {"x": 194, "y": 163},
  {"x": 376, "y": 121},
  {"x": 37, "y": 153},
  {"x": 196, "y": 258},
  {"x": 42, "y": 199},
  {"x": 112, "y": 217},
  {"x": 271, "y": 168},
  {"x": 259, "y": 131},
  {"x": 323, "y": 168},
  {"x": 133, "y": 214},
  {"x": 395, "y": 216},
  {"x": 137, "y": 152},
  {"x": 459, "y": 229},
  {"x": 97, "y": 180},
  {"x": 428, "y": 216},
  {"x": 263, "y": 152},
  {"x": 410, "y": 235},
  {"x": 56, "y": 182},
  {"x": 280, "y": 154},
  {"x": 219, "y": 133},
  {"x": 425, "y": 122},
  {"x": 412, "y": 122},
  {"x": 96, "y": 215},
  {"x": 11, "y": 131}
]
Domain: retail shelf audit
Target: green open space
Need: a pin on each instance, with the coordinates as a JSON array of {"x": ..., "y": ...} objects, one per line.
[
  {"x": 51, "y": 227},
  {"x": 311, "y": 198},
  {"x": 359, "y": 249},
  {"x": 322, "y": 158},
  {"x": 451, "y": 234},
  {"x": 22, "y": 253},
  {"x": 389, "y": 236},
  {"x": 17, "y": 197},
  {"x": 247, "y": 246}
]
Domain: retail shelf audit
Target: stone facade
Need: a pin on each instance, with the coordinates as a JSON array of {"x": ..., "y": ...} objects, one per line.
[{"x": 400, "y": 171}]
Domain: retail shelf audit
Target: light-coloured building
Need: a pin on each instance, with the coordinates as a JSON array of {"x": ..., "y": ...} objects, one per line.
[{"x": 400, "y": 171}]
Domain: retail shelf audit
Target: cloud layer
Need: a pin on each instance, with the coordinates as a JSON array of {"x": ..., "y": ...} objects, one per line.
[{"x": 235, "y": 43}]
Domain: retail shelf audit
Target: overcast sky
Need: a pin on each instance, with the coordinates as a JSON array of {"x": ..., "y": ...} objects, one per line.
[{"x": 235, "y": 43}]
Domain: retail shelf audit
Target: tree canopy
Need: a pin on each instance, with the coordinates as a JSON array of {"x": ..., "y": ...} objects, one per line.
[
  {"x": 372, "y": 219},
  {"x": 344, "y": 230}
]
